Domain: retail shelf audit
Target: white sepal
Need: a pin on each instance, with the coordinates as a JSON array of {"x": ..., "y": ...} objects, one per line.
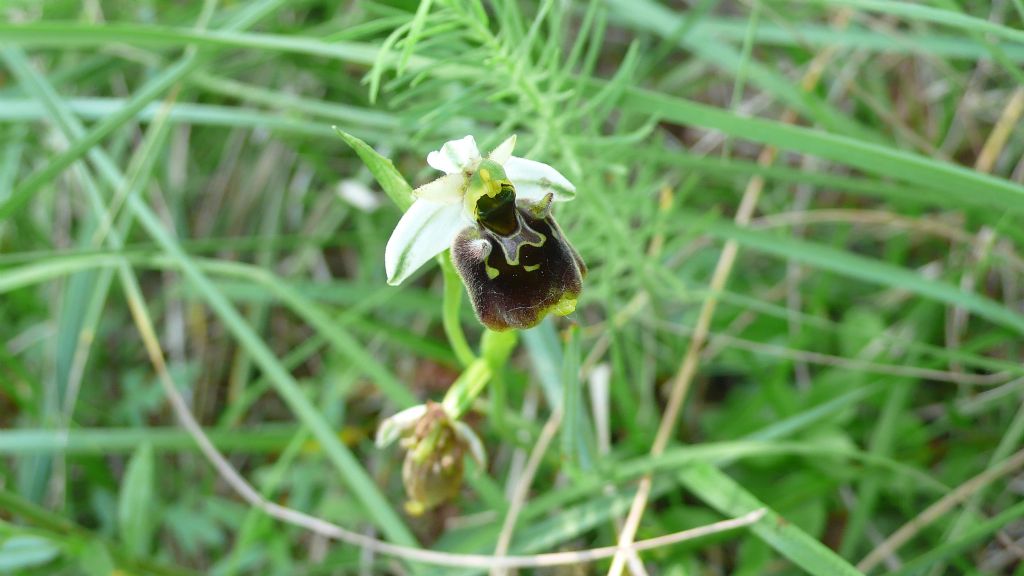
[
  {"x": 455, "y": 155},
  {"x": 447, "y": 189},
  {"x": 533, "y": 180},
  {"x": 393, "y": 427},
  {"x": 424, "y": 231}
]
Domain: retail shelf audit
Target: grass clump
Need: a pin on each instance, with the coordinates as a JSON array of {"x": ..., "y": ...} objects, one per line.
[{"x": 799, "y": 220}]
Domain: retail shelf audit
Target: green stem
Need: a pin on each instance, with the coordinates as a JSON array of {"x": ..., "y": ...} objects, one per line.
[
  {"x": 571, "y": 401},
  {"x": 466, "y": 388},
  {"x": 450, "y": 312},
  {"x": 499, "y": 403},
  {"x": 496, "y": 347}
]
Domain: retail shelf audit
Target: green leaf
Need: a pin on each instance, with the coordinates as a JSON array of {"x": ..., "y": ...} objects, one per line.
[
  {"x": 862, "y": 268},
  {"x": 951, "y": 182},
  {"x": 135, "y": 503},
  {"x": 94, "y": 559},
  {"x": 971, "y": 538},
  {"x": 723, "y": 494},
  {"x": 383, "y": 170},
  {"x": 918, "y": 13},
  {"x": 21, "y": 552},
  {"x": 70, "y": 34},
  {"x": 57, "y": 163},
  {"x": 342, "y": 458}
]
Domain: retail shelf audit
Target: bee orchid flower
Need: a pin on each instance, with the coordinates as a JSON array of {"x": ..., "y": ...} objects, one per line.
[{"x": 494, "y": 213}]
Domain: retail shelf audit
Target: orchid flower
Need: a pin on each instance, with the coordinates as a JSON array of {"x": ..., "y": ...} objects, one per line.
[{"x": 495, "y": 215}]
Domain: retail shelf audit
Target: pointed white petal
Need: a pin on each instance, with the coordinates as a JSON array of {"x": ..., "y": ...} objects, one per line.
[
  {"x": 445, "y": 190},
  {"x": 476, "y": 446},
  {"x": 394, "y": 426},
  {"x": 424, "y": 231},
  {"x": 503, "y": 152},
  {"x": 454, "y": 155},
  {"x": 534, "y": 179}
]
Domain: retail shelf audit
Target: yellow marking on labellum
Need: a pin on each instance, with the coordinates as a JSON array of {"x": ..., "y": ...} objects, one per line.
[
  {"x": 565, "y": 306},
  {"x": 485, "y": 175},
  {"x": 492, "y": 272},
  {"x": 486, "y": 182},
  {"x": 531, "y": 268},
  {"x": 414, "y": 508}
]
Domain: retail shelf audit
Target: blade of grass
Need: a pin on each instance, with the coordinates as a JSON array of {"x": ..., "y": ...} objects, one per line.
[
  {"x": 99, "y": 441},
  {"x": 814, "y": 36},
  {"x": 924, "y": 13},
  {"x": 1008, "y": 444},
  {"x": 955, "y": 182},
  {"x": 103, "y": 109},
  {"x": 861, "y": 268},
  {"x": 61, "y": 526},
  {"x": 65, "y": 34},
  {"x": 870, "y": 487},
  {"x": 344, "y": 461},
  {"x": 152, "y": 90},
  {"x": 940, "y": 508},
  {"x": 728, "y": 497},
  {"x": 648, "y": 15},
  {"x": 971, "y": 538}
]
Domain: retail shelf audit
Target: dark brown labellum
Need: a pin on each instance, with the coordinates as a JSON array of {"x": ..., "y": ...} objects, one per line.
[{"x": 516, "y": 275}]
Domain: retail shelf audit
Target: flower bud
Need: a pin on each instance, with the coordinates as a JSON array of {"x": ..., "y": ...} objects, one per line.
[{"x": 435, "y": 447}]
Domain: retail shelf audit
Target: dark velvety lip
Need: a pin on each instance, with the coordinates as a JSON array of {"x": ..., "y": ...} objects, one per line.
[{"x": 515, "y": 280}]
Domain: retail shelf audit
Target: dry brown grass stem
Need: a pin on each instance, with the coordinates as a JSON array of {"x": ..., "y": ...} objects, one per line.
[{"x": 932, "y": 513}]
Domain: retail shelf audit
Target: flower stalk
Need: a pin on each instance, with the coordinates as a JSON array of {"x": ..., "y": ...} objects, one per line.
[
  {"x": 450, "y": 313},
  {"x": 467, "y": 387}
]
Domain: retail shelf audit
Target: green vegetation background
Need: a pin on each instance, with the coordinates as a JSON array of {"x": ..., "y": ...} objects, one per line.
[{"x": 174, "y": 163}]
